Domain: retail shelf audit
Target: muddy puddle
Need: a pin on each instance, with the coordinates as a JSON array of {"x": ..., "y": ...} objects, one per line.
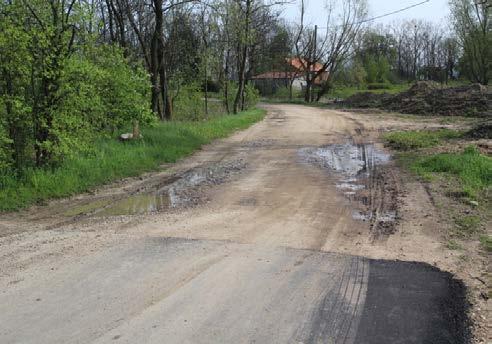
[
  {"x": 353, "y": 163},
  {"x": 360, "y": 176},
  {"x": 184, "y": 190}
]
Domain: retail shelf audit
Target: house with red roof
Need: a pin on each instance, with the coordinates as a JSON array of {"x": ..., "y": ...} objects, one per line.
[{"x": 293, "y": 76}]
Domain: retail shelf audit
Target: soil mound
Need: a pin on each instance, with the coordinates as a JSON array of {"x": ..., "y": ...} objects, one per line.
[
  {"x": 483, "y": 131},
  {"x": 430, "y": 98}
]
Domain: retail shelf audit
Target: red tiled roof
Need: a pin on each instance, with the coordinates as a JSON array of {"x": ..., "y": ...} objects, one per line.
[{"x": 299, "y": 64}]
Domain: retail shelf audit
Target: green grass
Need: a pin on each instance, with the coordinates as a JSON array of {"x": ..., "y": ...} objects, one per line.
[
  {"x": 409, "y": 140},
  {"x": 467, "y": 225},
  {"x": 472, "y": 170},
  {"x": 486, "y": 242},
  {"x": 347, "y": 91},
  {"x": 111, "y": 160},
  {"x": 337, "y": 92},
  {"x": 453, "y": 245}
]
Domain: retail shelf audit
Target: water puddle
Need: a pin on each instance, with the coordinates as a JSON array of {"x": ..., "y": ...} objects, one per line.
[
  {"x": 182, "y": 191},
  {"x": 349, "y": 159},
  {"x": 137, "y": 204},
  {"x": 352, "y": 162},
  {"x": 355, "y": 167}
]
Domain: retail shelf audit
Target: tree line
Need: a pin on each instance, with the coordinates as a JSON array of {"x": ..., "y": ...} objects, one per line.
[
  {"x": 73, "y": 71},
  {"x": 352, "y": 50}
]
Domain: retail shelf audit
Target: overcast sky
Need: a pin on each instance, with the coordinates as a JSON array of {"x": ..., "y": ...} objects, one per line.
[{"x": 434, "y": 10}]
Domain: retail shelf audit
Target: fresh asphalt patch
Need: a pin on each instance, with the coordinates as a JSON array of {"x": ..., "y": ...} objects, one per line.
[
  {"x": 173, "y": 290},
  {"x": 409, "y": 302}
]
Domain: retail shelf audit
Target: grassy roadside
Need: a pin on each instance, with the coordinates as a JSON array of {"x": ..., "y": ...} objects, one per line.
[
  {"x": 111, "y": 160},
  {"x": 348, "y": 91},
  {"x": 464, "y": 177},
  {"x": 409, "y": 140},
  {"x": 338, "y": 92}
]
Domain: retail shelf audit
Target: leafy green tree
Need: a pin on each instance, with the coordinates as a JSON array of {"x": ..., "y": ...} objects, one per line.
[
  {"x": 358, "y": 74},
  {"x": 472, "y": 23},
  {"x": 15, "y": 71},
  {"x": 59, "y": 87}
]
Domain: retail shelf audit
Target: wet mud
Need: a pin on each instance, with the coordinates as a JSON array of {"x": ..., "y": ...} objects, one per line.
[
  {"x": 181, "y": 191},
  {"x": 363, "y": 176}
]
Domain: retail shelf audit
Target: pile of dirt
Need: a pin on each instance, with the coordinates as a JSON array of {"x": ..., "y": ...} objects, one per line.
[
  {"x": 430, "y": 98},
  {"x": 481, "y": 131},
  {"x": 366, "y": 100}
]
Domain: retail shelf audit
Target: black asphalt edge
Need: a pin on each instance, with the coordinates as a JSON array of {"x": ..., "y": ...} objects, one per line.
[{"x": 411, "y": 302}]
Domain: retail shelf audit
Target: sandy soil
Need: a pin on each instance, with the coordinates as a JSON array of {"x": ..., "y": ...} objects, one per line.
[{"x": 253, "y": 188}]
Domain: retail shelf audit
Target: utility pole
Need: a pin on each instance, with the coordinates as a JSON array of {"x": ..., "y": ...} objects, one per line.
[
  {"x": 313, "y": 60},
  {"x": 314, "y": 40}
]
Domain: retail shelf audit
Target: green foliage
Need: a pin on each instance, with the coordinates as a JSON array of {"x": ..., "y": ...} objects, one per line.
[
  {"x": 57, "y": 94},
  {"x": 284, "y": 93},
  {"x": 486, "y": 241},
  {"x": 358, "y": 74},
  {"x": 371, "y": 67},
  {"x": 377, "y": 69},
  {"x": 111, "y": 159},
  {"x": 341, "y": 91},
  {"x": 472, "y": 169},
  {"x": 251, "y": 95},
  {"x": 5, "y": 156},
  {"x": 408, "y": 140},
  {"x": 188, "y": 104},
  {"x": 99, "y": 93}
]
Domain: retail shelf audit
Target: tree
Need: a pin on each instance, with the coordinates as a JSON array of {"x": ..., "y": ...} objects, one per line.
[
  {"x": 249, "y": 18},
  {"x": 359, "y": 74},
  {"x": 59, "y": 87},
  {"x": 472, "y": 24},
  {"x": 331, "y": 49}
]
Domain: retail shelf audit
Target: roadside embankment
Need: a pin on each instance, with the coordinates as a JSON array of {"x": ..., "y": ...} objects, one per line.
[
  {"x": 110, "y": 160},
  {"x": 429, "y": 98}
]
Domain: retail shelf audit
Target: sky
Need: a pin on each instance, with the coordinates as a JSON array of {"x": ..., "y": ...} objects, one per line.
[{"x": 435, "y": 11}]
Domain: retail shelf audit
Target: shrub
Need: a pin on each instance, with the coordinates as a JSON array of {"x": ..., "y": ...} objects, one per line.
[
  {"x": 111, "y": 159},
  {"x": 100, "y": 93},
  {"x": 188, "y": 103},
  {"x": 251, "y": 95}
]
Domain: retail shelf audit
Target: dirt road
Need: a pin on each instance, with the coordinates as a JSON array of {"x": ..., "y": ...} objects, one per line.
[{"x": 274, "y": 235}]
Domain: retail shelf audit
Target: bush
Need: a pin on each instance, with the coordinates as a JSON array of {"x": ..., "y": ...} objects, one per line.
[
  {"x": 111, "y": 159},
  {"x": 5, "y": 156},
  {"x": 284, "y": 93},
  {"x": 188, "y": 104},
  {"x": 251, "y": 95},
  {"x": 100, "y": 93},
  {"x": 97, "y": 92}
]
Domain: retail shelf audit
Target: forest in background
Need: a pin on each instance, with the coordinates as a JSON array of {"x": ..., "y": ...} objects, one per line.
[{"x": 75, "y": 71}]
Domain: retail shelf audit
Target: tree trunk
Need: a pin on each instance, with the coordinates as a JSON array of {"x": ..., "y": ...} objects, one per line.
[
  {"x": 239, "y": 101},
  {"x": 240, "y": 88},
  {"x": 226, "y": 81}
]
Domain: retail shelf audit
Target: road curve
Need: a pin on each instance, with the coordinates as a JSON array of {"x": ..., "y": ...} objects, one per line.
[{"x": 250, "y": 261}]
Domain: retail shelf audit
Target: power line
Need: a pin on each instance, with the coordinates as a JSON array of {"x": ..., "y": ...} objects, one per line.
[{"x": 384, "y": 15}]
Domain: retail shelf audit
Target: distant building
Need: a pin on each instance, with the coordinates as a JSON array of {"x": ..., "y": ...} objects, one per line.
[{"x": 293, "y": 76}]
